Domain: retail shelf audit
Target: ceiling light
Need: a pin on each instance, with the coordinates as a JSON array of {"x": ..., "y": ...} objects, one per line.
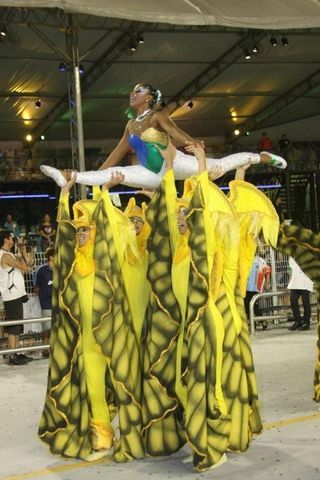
[
  {"x": 234, "y": 115},
  {"x": 42, "y": 137},
  {"x": 29, "y": 137},
  {"x": 236, "y": 132},
  {"x": 38, "y": 103},
  {"x": 247, "y": 55},
  {"x": 255, "y": 49},
  {"x": 190, "y": 105},
  {"x": 81, "y": 69},
  {"x": 62, "y": 67},
  {"x": 273, "y": 41},
  {"x": 133, "y": 44},
  {"x": 247, "y": 133},
  {"x": 140, "y": 39},
  {"x": 284, "y": 41},
  {"x": 3, "y": 31}
]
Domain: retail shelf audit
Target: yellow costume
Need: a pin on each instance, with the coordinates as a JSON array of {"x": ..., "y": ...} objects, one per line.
[
  {"x": 304, "y": 246},
  {"x": 184, "y": 337},
  {"x": 91, "y": 323}
]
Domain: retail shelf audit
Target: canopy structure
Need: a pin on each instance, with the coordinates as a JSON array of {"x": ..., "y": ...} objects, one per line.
[
  {"x": 199, "y": 59},
  {"x": 273, "y": 14}
]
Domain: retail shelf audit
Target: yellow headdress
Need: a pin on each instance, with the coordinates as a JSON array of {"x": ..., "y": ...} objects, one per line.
[
  {"x": 133, "y": 210},
  {"x": 188, "y": 190},
  {"x": 82, "y": 213},
  {"x": 82, "y": 217},
  {"x": 136, "y": 250}
]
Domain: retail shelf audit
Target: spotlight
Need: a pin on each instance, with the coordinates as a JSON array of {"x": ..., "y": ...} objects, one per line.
[
  {"x": 3, "y": 31},
  {"x": 81, "y": 70},
  {"x": 247, "y": 55},
  {"x": 133, "y": 44},
  {"x": 38, "y": 103},
  {"x": 190, "y": 105},
  {"x": 284, "y": 41},
  {"x": 42, "y": 137},
  {"x": 247, "y": 133},
  {"x": 236, "y": 132},
  {"x": 273, "y": 41},
  {"x": 255, "y": 49},
  {"x": 140, "y": 39},
  {"x": 62, "y": 67},
  {"x": 29, "y": 137}
]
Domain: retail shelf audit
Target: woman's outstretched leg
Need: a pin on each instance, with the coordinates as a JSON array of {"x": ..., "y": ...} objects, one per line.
[{"x": 135, "y": 176}]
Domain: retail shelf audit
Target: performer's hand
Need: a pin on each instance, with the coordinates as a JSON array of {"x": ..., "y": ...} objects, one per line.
[
  {"x": 241, "y": 171},
  {"x": 70, "y": 176},
  {"x": 147, "y": 193},
  {"x": 116, "y": 178},
  {"x": 197, "y": 149},
  {"x": 215, "y": 172}
]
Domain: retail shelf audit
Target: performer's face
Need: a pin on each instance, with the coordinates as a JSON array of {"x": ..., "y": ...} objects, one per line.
[
  {"x": 138, "y": 224},
  {"x": 83, "y": 235},
  {"x": 182, "y": 222},
  {"x": 140, "y": 96}
]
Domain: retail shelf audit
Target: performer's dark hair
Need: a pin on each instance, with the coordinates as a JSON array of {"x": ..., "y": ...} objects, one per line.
[
  {"x": 155, "y": 94},
  {"x": 4, "y": 234}
]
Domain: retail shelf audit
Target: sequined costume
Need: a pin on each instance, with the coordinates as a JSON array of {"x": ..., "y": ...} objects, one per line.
[{"x": 149, "y": 173}]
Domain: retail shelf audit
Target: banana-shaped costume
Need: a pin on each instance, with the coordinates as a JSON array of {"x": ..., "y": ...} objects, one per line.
[
  {"x": 135, "y": 264},
  {"x": 101, "y": 321},
  {"x": 254, "y": 212},
  {"x": 304, "y": 246},
  {"x": 183, "y": 400}
]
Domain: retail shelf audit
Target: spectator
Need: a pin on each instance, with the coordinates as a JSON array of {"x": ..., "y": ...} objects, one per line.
[
  {"x": 259, "y": 276},
  {"x": 43, "y": 287},
  {"x": 284, "y": 144},
  {"x": 47, "y": 232},
  {"x": 12, "y": 226},
  {"x": 300, "y": 286},
  {"x": 12, "y": 289},
  {"x": 265, "y": 143}
]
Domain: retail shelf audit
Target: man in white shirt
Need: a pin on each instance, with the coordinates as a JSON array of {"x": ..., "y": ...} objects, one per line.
[
  {"x": 13, "y": 291},
  {"x": 300, "y": 286}
]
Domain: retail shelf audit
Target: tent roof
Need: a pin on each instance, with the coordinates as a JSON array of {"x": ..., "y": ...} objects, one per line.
[{"x": 279, "y": 86}]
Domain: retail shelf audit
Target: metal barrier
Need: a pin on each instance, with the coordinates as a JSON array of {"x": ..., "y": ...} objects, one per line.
[
  {"x": 24, "y": 322},
  {"x": 255, "y": 298}
]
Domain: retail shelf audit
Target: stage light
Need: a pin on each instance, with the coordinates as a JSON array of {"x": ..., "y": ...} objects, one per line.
[
  {"x": 81, "y": 69},
  {"x": 3, "y": 31},
  {"x": 190, "y": 105},
  {"x": 42, "y": 137},
  {"x": 247, "y": 133},
  {"x": 236, "y": 132},
  {"x": 247, "y": 55},
  {"x": 273, "y": 41},
  {"x": 38, "y": 103},
  {"x": 29, "y": 137},
  {"x": 255, "y": 49},
  {"x": 133, "y": 44},
  {"x": 284, "y": 41},
  {"x": 62, "y": 67},
  {"x": 140, "y": 39}
]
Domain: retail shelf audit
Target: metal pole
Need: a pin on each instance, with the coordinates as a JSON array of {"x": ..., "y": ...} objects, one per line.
[{"x": 82, "y": 162}]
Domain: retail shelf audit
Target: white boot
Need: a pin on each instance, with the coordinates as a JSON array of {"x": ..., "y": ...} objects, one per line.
[
  {"x": 275, "y": 160},
  {"x": 55, "y": 174}
]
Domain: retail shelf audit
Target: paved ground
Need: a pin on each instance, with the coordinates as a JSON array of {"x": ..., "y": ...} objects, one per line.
[{"x": 287, "y": 450}]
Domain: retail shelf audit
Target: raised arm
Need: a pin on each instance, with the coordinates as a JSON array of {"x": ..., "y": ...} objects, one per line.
[
  {"x": 119, "y": 152},
  {"x": 178, "y": 136}
]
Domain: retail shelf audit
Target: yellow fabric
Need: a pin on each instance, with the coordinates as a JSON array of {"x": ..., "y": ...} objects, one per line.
[
  {"x": 133, "y": 259},
  {"x": 255, "y": 212},
  {"x": 84, "y": 263},
  {"x": 95, "y": 363},
  {"x": 153, "y": 135}
]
